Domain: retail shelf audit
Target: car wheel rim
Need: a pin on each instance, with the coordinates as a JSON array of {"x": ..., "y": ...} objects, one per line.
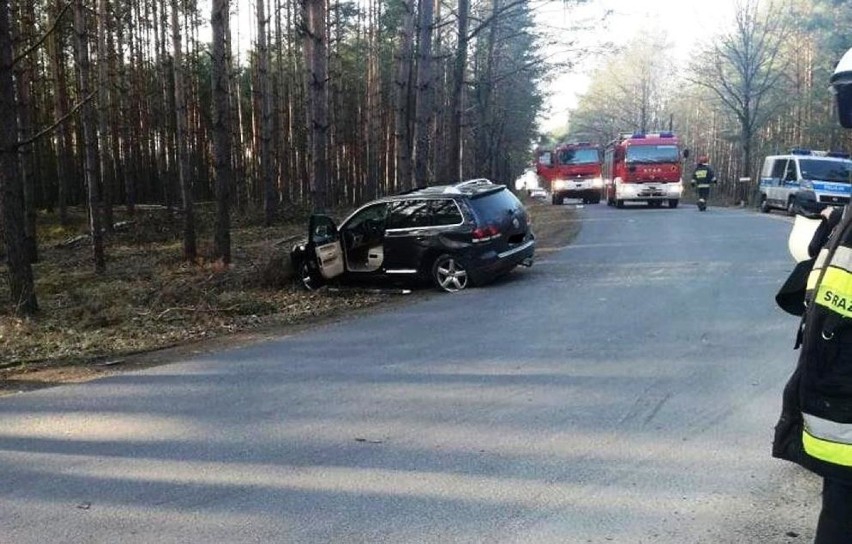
[{"x": 451, "y": 276}]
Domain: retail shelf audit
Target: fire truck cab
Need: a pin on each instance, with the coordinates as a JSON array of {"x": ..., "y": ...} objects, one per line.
[
  {"x": 572, "y": 170},
  {"x": 642, "y": 167}
]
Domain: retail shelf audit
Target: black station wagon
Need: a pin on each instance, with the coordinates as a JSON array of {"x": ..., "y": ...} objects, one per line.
[{"x": 454, "y": 235}]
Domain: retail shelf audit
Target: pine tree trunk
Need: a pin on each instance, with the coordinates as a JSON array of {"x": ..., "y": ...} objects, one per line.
[
  {"x": 221, "y": 132},
  {"x": 270, "y": 191},
  {"x": 485, "y": 157},
  {"x": 21, "y": 284},
  {"x": 162, "y": 157},
  {"x": 402, "y": 131},
  {"x": 457, "y": 95},
  {"x": 24, "y": 80},
  {"x": 423, "y": 110},
  {"x": 317, "y": 55},
  {"x": 104, "y": 133},
  {"x": 374, "y": 102},
  {"x": 190, "y": 251},
  {"x": 64, "y": 163},
  {"x": 90, "y": 144},
  {"x": 121, "y": 148}
]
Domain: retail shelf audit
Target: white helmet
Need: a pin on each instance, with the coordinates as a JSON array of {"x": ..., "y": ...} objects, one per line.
[{"x": 841, "y": 85}]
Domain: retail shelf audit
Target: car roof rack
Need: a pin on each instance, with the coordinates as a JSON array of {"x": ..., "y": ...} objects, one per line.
[
  {"x": 473, "y": 183},
  {"x": 469, "y": 185}
]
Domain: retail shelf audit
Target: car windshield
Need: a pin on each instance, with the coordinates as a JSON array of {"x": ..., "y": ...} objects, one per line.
[
  {"x": 579, "y": 156},
  {"x": 836, "y": 171},
  {"x": 651, "y": 154}
]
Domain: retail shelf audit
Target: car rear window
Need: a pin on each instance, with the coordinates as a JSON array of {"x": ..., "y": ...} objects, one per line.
[
  {"x": 445, "y": 212},
  {"x": 492, "y": 207},
  {"x": 408, "y": 214}
]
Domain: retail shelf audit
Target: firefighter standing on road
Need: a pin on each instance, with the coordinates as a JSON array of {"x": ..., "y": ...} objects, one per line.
[
  {"x": 702, "y": 177},
  {"x": 815, "y": 427}
]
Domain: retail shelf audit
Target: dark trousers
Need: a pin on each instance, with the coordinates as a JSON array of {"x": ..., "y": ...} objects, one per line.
[
  {"x": 704, "y": 192},
  {"x": 835, "y": 519}
]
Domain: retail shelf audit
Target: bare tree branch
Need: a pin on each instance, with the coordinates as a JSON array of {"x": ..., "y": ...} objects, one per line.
[
  {"x": 44, "y": 36},
  {"x": 32, "y": 139}
]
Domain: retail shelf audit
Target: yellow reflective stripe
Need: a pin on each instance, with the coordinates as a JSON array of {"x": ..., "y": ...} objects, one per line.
[
  {"x": 826, "y": 450},
  {"x": 835, "y": 291}
]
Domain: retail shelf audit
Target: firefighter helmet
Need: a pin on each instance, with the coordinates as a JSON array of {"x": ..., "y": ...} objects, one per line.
[{"x": 841, "y": 85}]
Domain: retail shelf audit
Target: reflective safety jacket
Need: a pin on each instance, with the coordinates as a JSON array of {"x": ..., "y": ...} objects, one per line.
[
  {"x": 703, "y": 176},
  {"x": 815, "y": 427}
]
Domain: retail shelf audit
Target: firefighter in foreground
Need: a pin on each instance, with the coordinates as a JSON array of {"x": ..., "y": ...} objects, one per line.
[
  {"x": 815, "y": 427},
  {"x": 702, "y": 177}
]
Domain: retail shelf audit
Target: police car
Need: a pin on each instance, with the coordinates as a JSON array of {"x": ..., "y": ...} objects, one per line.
[{"x": 808, "y": 179}]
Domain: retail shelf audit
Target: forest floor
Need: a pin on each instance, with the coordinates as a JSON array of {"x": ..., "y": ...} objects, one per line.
[{"x": 151, "y": 308}]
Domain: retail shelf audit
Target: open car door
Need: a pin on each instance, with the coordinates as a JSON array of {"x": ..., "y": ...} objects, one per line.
[{"x": 325, "y": 247}]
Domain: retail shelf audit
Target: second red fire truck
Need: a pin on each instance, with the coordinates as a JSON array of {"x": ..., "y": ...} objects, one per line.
[{"x": 642, "y": 167}]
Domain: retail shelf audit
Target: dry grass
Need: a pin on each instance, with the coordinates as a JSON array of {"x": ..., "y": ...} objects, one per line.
[{"x": 149, "y": 299}]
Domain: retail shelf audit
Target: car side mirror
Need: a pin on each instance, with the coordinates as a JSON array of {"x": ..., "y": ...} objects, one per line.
[{"x": 686, "y": 153}]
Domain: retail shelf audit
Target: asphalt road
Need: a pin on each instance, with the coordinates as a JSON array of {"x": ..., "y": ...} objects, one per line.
[{"x": 623, "y": 390}]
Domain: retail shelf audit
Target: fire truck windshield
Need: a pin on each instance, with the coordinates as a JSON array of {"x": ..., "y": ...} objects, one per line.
[
  {"x": 579, "y": 156},
  {"x": 651, "y": 154},
  {"x": 835, "y": 171}
]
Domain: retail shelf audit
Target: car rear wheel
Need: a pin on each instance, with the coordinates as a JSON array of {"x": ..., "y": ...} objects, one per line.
[
  {"x": 450, "y": 274},
  {"x": 673, "y": 203}
]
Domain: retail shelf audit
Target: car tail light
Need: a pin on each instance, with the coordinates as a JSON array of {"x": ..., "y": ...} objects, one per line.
[{"x": 483, "y": 234}]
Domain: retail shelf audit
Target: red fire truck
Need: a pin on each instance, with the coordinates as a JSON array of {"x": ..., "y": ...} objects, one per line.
[
  {"x": 643, "y": 168},
  {"x": 571, "y": 170}
]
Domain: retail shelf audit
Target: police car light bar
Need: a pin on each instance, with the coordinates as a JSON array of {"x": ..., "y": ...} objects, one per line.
[{"x": 800, "y": 151}]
